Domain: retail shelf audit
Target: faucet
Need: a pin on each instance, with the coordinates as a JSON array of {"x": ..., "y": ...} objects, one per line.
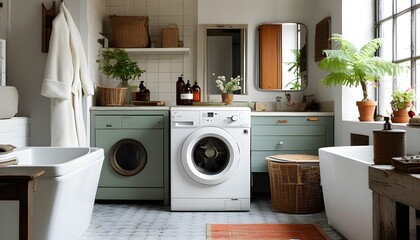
[{"x": 289, "y": 99}]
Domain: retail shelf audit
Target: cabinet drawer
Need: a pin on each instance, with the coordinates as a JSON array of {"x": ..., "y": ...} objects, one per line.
[
  {"x": 303, "y": 130},
  {"x": 287, "y": 142},
  {"x": 281, "y": 121},
  {"x": 107, "y": 122},
  {"x": 138, "y": 122}
]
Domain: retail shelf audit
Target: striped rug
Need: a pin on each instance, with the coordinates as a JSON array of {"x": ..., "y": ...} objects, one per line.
[{"x": 265, "y": 231}]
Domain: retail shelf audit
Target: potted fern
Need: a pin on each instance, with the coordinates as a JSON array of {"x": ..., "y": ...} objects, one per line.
[
  {"x": 349, "y": 66},
  {"x": 115, "y": 63}
]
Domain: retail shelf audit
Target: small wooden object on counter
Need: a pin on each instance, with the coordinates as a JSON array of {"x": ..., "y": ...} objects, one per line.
[
  {"x": 410, "y": 164},
  {"x": 20, "y": 184},
  {"x": 149, "y": 103},
  {"x": 395, "y": 202}
]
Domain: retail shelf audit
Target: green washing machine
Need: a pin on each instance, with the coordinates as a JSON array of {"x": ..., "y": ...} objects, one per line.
[{"x": 136, "y": 145}]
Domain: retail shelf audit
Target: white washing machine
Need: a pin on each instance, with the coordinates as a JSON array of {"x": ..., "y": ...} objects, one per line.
[{"x": 210, "y": 158}]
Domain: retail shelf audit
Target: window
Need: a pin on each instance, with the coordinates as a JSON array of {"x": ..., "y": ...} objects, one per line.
[{"x": 396, "y": 25}]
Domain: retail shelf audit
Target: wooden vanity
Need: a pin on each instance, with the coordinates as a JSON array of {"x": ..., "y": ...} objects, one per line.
[{"x": 396, "y": 203}]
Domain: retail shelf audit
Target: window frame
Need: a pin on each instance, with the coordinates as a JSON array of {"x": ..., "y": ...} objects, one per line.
[{"x": 382, "y": 106}]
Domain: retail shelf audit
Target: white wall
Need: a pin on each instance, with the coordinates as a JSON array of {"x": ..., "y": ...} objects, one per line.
[{"x": 25, "y": 66}]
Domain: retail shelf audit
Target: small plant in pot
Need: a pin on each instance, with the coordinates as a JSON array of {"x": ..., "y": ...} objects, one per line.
[
  {"x": 349, "y": 66},
  {"x": 228, "y": 88},
  {"x": 400, "y": 104},
  {"x": 115, "y": 63}
]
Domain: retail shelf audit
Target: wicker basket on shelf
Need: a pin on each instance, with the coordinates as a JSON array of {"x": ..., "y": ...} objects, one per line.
[
  {"x": 170, "y": 36},
  {"x": 130, "y": 31},
  {"x": 295, "y": 183},
  {"x": 108, "y": 96}
]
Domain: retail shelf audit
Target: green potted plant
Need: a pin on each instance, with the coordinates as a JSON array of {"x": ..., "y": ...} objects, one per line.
[
  {"x": 295, "y": 67},
  {"x": 228, "y": 88},
  {"x": 400, "y": 104},
  {"x": 349, "y": 66},
  {"x": 115, "y": 63}
]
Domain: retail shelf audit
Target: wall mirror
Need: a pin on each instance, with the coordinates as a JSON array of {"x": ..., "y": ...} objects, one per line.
[
  {"x": 223, "y": 51},
  {"x": 281, "y": 62}
]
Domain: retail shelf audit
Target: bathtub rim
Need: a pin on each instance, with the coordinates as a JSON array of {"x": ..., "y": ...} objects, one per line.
[{"x": 59, "y": 169}]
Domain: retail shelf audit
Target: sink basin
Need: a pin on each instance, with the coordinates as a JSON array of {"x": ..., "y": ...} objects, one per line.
[{"x": 9, "y": 101}]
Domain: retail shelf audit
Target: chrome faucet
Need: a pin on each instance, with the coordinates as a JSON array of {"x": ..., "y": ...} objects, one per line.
[{"x": 289, "y": 99}]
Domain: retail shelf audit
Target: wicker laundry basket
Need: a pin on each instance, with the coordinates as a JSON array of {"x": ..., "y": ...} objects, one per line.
[
  {"x": 295, "y": 183},
  {"x": 130, "y": 31}
]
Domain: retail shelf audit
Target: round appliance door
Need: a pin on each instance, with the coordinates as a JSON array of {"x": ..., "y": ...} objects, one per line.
[
  {"x": 128, "y": 157},
  {"x": 210, "y": 155}
]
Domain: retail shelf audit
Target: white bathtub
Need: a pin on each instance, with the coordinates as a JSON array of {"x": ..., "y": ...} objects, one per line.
[
  {"x": 64, "y": 195},
  {"x": 345, "y": 186}
]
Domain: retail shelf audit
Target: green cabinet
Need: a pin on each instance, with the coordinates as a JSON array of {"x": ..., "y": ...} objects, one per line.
[
  {"x": 136, "y": 146},
  {"x": 272, "y": 135}
]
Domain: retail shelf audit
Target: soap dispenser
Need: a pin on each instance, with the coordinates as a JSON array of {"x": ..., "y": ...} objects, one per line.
[
  {"x": 278, "y": 103},
  {"x": 388, "y": 143},
  {"x": 143, "y": 94}
]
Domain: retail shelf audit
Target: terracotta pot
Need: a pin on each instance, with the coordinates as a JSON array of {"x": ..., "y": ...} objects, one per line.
[
  {"x": 227, "y": 98},
  {"x": 366, "y": 110},
  {"x": 400, "y": 116}
]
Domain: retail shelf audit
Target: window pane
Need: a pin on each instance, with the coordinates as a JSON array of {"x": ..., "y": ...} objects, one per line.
[
  {"x": 403, "y": 4},
  {"x": 385, "y": 90},
  {"x": 385, "y": 8},
  {"x": 386, "y": 86},
  {"x": 418, "y": 32},
  {"x": 385, "y": 32},
  {"x": 403, "y": 37},
  {"x": 403, "y": 81}
]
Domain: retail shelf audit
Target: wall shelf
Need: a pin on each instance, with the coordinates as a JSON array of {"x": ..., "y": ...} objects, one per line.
[{"x": 167, "y": 51}]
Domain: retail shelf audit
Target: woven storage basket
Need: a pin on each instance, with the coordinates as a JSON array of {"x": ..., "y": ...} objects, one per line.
[
  {"x": 130, "y": 31},
  {"x": 111, "y": 96},
  {"x": 295, "y": 184},
  {"x": 170, "y": 36}
]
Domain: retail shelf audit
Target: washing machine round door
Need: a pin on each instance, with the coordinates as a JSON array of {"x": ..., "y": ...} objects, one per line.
[
  {"x": 210, "y": 155},
  {"x": 128, "y": 157}
]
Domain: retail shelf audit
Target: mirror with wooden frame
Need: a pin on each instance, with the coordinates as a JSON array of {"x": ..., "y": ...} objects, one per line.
[{"x": 281, "y": 62}]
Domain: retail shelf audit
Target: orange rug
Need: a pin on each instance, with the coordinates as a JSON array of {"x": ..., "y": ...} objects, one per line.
[{"x": 265, "y": 231}]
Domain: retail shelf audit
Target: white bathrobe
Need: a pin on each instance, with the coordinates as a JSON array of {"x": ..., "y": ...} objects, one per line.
[{"x": 66, "y": 75}]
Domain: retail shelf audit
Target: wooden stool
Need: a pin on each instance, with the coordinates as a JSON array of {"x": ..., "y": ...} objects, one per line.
[{"x": 19, "y": 184}]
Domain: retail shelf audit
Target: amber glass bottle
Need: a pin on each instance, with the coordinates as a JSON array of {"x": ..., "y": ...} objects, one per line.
[
  {"x": 187, "y": 95},
  {"x": 196, "y": 92},
  {"x": 179, "y": 90}
]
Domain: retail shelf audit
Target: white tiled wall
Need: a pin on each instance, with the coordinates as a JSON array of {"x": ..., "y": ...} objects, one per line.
[{"x": 162, "y": 71}]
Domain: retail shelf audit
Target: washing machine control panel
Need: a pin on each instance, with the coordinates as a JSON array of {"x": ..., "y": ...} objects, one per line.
[{"x": 224, "y": 118}]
